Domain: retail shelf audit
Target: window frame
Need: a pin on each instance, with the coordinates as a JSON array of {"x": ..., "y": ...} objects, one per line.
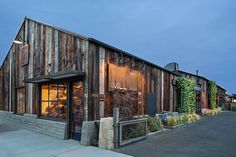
[{"x": 48, "y": 101}]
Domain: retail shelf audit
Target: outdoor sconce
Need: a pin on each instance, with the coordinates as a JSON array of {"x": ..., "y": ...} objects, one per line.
[
  {"x": 24, "y": 50},
  {"x": 19, "y": 42}
]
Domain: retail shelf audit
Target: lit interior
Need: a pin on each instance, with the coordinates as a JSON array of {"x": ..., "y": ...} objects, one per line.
[
  {"x": 44, "y": 107},
  {"x": 44, "y": 95},
  {"x": 54, "y": 99}
]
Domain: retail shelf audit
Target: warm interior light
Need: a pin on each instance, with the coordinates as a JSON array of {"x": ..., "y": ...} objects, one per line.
[{"x": 17, "y": 42}]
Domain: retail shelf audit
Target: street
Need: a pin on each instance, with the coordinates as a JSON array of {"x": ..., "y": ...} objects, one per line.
[{"x": 211, "y": 137}]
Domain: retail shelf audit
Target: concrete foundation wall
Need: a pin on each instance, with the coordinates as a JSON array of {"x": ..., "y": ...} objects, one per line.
[
  {"x": 89, "y": 133},
  {"x": 106, "y": 133},
  {"x": 31, "y": 122}
]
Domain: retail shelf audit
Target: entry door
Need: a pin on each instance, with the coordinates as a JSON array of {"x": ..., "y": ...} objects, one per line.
[
  {"x": 77, "y": 109},
  {"x": 151, "y": 104}
]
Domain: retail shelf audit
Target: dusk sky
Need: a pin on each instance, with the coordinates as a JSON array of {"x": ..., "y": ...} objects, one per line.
[{"x": 197, "y": 34}]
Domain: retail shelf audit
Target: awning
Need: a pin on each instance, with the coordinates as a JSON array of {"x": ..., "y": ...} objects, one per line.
[{"x": 55, "y": 76}]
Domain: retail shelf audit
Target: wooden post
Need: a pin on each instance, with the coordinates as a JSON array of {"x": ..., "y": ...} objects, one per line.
[
  {"x": 116, "y": 117},
  {"x": 101, "y": 82}
]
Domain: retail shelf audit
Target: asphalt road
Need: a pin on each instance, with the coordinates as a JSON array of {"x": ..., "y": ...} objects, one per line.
[{"x": 210, "y": 137}]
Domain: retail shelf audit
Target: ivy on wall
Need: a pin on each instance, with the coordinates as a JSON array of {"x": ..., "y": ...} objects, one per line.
[
  {"x": 186, "y": 95},
  {"x": 212, "y": 91}
]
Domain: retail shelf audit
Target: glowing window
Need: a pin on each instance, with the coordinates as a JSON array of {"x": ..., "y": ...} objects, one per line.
[{"x": 54, "y": 101}]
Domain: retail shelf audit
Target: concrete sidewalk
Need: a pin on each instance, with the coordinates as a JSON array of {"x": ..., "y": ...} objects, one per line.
[{"x": 23, "y": 143}]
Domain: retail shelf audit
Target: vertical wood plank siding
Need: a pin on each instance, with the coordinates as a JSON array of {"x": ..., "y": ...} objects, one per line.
[
  {"x": 204, "y": 87},
  {"x": 50, "y": 50},
  {"x": 1, "y": 91},
  {"x": 53, "y": 50},
  {"x": 150, "y": 81},
  {"x": 5, "y": 70}
]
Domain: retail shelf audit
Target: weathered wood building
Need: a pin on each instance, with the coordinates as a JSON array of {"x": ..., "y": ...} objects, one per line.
[
  {"x": 221, "y": 95},
  {"x": 62, "y": 76},
  {"x": 202, "y": 98}
]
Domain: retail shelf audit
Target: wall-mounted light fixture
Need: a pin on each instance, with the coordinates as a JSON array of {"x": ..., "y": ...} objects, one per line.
[
  {"x": 17, "y": 42},
  {"x": 23, "y": 50}
]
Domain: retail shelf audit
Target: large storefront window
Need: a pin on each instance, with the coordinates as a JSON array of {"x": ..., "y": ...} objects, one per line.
[{"x": 53, "y": 101}]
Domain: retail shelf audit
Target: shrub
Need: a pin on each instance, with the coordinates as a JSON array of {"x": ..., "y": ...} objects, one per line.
[
  {"x": 185, "y": 118},
  {"x": 179, "y": 120},
  {"x": 133, "y": 131},
  {"x": 154, "y": 124},
  {"x": 226, "y": 106},
  {"x": 212, "y": 112},
  {"x": 190, "y": 117},
  {"x": 208, "y": 113},
  {"x": 216, "y": 111},
  {"x": 233, "y": 108},
  {"x": 195, "y": 117},
  {"x": 171, "y": 122}
]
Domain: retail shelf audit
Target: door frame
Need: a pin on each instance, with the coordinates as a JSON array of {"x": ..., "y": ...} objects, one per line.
[
  {"x": 68, "y": 82},
  {"x": 70, "y": 105}
]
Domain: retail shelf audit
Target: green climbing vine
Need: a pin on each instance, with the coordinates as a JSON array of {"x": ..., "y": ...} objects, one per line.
[
  {"x": 212, "y": 90},
  {"x": 186, "y": 95}
]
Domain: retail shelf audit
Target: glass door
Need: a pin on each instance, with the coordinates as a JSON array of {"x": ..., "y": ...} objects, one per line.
[{"x": 77, "y": 109}]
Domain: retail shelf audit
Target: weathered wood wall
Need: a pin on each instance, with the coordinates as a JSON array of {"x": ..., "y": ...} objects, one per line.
[
  {"x": 53, "y": 50},
  {"x": 5, "y": 75},
  {"x": 1, "y": 103},
  {"x": 93, "y": 82},
  {"x": 150, "y": 80},
  {"x": 204, "y": 85},
  {"x": 221, "y": 96},
  {"x": 50, "y": 51}
]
